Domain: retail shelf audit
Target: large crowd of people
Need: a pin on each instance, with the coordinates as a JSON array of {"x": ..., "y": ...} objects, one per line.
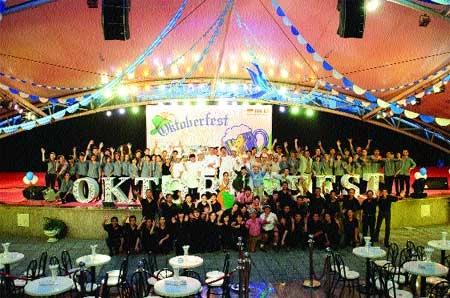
[{"x": 241, "y": 207}]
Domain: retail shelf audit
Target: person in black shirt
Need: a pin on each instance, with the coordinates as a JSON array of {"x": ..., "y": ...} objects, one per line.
[
  {"x": 149, "y": 204},
  {"x": 350, "y": 202},
  {"x": 351, "y": 229},
  {"x": 369, "y": 209},
  {"x": 285, "y": 196},
  {"x": 299, "y": 234},
  {"x": 131, "y": 234},
  {"x": 168, "y": 208},
  {"x": 114, "y": 241},
  {"x": 181, "y": 231},
  {"x": 316, "y": 202},
  {"x": 384, "y": 213},
  {"x": 332, "y": 205},
  {"x": 315, "y": 228},
  {"x": 331, "y": 229},
  {"x": 149, "y": 236}
]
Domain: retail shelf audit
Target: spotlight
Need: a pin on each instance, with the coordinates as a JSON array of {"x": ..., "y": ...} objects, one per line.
[
  {"x": 108, "y": 113},
  {"x": 295, "y": 110},
  {"x": 372, "y": 5},
  {"x": 121, "y": 111},
  {"x": 135, "y": 110},
  {"x": 309, "y": 113},
  {"x": 424, "y": 20},
  {"x": 282, "y": 109}
]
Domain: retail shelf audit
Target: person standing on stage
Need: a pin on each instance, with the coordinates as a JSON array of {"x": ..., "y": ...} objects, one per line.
[
  {"x": 406, "y": 165},
  {"x": 389, "y": 171},
  {"x": 50, "y": 174},
  {"x": 384, "y": 213}
]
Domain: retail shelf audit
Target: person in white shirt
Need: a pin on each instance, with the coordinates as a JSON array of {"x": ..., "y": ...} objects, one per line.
[
  {"x": 192, "y": 175},
  {"x": 269, "y": 229}
]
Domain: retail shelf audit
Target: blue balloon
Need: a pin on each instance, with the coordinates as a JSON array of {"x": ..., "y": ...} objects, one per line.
[
  {"x": 29, "y": 175},
  {"x": 423, "y": 171}
]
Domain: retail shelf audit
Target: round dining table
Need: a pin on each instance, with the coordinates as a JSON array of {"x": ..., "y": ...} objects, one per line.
[
  {"x": 181, "y": 286},
  {"x": 368, "y": 252},
  {"x": 425, "y": 269},
  {"x": 9, "y": 258},
  {"x": 48, "y": 286},
  {"x": 186, "y": 261},
  {"x": 442, "y": 245},
  {"x": 93, "y": 261}
]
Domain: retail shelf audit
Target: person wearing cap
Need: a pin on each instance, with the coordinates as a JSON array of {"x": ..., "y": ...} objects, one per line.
[
  {"x": 269, "y": 231},
  {"x": 257, "y": 174},
  {"x": 254, "y": 225}
]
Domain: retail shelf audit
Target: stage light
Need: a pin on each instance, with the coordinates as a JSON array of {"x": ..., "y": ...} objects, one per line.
[
  {"x": 122, "y": 111},
  {"x": 134, "y": 90},
  {"x": 309, "y": 113},
  {"x": 147, "y": 88},
  {"x": 424, "y": 20},
  {"x": 130, "y": 75},
  {"x": 122, "y": 91},
  {"x": 284, "y": 73},
  {"x": 104, "y": 79},
  {"x": 108, "y": 113},
  {"x": 271, "y": 72},
  {"x": 282, "y": 109},
  {"x": 372, "y": 5},
  {"x": 295, "y": 110},
  {"x": 135, "y": 110},
  {"x": 174, "y": 70},
  {"x": 107, "y": 93},
  {"x": 234, "y": 68},
  {"x": 146, "y": 73},
  {"x": 283, "y": 90}
]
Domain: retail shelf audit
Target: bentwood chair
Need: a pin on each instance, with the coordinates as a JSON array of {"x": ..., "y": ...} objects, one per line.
[{"x": 85, "y": 284}]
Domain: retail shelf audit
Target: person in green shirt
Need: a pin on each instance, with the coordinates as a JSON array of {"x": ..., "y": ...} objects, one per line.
[{"x": 406, "y": 165}]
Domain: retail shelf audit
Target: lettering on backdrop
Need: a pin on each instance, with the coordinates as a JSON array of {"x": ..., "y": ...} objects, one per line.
[
  {"x": 373, "y": 181},
  {"x": 207, "y": 184},
  {"x": 80, "y": 184},
  {"x": 345, "y": 182}
]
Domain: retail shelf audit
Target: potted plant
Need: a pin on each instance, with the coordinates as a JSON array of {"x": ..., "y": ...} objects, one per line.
[{"x": 54, "y": 229}]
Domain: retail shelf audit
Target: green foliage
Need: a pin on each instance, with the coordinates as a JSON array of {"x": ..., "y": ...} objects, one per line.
[{"x": 55, "y": 224}]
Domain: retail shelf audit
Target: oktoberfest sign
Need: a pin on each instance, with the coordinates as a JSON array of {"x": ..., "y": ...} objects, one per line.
[{"x": 241, "y": 127}]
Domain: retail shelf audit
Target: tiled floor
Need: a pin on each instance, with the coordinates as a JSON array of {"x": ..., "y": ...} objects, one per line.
[{"x": 274, "y": 274}]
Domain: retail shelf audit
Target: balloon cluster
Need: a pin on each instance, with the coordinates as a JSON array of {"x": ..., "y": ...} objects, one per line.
[
  {"x": 422, "y": 173},
  {"x": 30, "y": 178}
]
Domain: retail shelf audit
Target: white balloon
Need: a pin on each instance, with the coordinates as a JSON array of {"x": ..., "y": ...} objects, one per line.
[{"x": 34, "y": 180}]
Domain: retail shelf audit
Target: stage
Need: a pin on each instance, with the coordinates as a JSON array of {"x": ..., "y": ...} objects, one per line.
[{"x": 24, "y": 217}]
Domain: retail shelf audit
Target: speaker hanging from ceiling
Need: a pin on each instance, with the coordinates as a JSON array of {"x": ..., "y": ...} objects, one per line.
[
  {"x": 352, "y": 18},
  {"x": 115, "y": 19}
]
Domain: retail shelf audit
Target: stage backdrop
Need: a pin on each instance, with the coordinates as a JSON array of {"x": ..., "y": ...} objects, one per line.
[{"x": 242, "y": 127}]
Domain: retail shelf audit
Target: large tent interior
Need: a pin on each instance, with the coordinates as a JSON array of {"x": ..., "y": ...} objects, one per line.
[{"x": 55, "y": 63}]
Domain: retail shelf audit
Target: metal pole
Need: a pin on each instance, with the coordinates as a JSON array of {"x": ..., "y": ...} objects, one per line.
[
  {"x": 247, "y": 270},
  {"x": 311, "y": 282}
]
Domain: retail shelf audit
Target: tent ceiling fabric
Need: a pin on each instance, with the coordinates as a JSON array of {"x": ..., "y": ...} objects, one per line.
[{"x": 61, "y": 44}]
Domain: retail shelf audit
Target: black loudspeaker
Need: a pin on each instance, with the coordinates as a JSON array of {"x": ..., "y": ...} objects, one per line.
[
  {"x": 352, "y": 18},
  {"x": 439, "y": 183},
  {"x": 115, "y": 19}
]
